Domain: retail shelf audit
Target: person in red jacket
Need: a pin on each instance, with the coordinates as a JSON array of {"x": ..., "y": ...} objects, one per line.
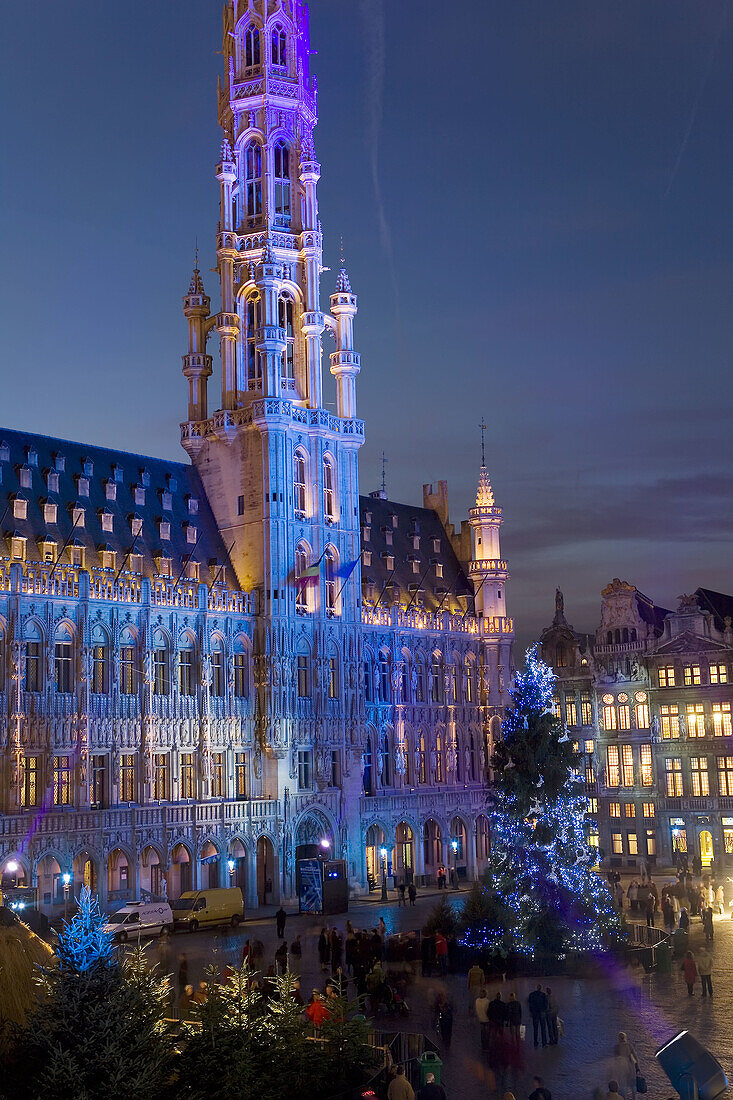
[
  {"x": 316, "y": 1011},
  {"x": 689, "y": 969}
]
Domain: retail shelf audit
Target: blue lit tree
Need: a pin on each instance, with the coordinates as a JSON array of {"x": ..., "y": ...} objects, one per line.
[
  {"x": 547, "y": 896},
  {"x": 97, "y": 1030}
]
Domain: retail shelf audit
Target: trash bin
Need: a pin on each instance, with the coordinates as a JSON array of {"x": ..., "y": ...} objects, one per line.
[{"x": 429, "y": 1063}]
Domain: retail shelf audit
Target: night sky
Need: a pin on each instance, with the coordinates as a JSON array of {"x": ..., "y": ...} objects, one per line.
[{"x": 549, "y": 247}]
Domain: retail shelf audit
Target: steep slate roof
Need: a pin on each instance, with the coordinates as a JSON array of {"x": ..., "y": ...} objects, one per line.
[
  {"x": 425, "y": 523},
  {"x": 162, "y": 476},
  {"x": 717, "y": 602}
]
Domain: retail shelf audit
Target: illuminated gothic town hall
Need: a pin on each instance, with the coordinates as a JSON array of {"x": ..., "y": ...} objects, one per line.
[{"x": 206, "y": 667}]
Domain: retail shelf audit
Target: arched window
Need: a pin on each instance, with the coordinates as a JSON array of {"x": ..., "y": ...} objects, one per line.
[
  {"x": 386, "y": 761},
  {"x": 186, "y": 656},
  {"x": 468, "y": 685},
  {"x": 254, "y": 367},
  {"x": 63, "y": 652},
  {"x": 33, "y": 658},
  {"x": 253, "y": 179},
  {"x": 368, "y": 694},
  {"x": 437, "y": 674},
  {"x": 282, "y": 183},
  {"x": 279, "y": 41},
  {"x": 633, "y": 634},
  {"x": 384, "y": 693},
  {"x": 405, "y": 681},
  {"x": 332, "y": 586},
  {"x": 422, "y": 770},
  {"x": 420, "y": 681},
  {"x": 252, "y": 47},
  {"x": 329, "y": 489},
  {"x": 161, "y": 669},
  {"x": 285, "y": 309},
  {"x": 368, "y": 788},
  {"x": 303, "y": 583},
  {"x": 438, "y": 769},
  {"x": 609, "y": 638},
  {"x": 241, "y": 668},
  {"x": 218, "y": 676},
  {"x": 128, "y": 662},
  {"x": 300, "y": 483},
  {"x": 100, "y": 661},
  {"x": 2, "y": 660}
]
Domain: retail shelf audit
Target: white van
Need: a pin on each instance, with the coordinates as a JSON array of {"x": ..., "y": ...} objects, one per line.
[{"x": 140, "y": 918}]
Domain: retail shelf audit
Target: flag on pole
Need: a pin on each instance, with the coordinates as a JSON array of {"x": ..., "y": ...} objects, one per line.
[
  {"x": 309, "y": 575},
  {"x": 347, "y": 569}
]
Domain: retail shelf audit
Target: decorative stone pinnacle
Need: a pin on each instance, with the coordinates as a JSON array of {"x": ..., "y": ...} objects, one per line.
[
  {"x": 268, "y": 256},
  {"x": 484, "y": 493},
  {"x": 197, "y": 284},
  {"x": 343, "y": 284},
  {"x": 226, "y": 149}
]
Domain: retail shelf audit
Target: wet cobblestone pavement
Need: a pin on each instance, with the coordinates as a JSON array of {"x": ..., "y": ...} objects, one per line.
[{"x": 651, "y": 1009}]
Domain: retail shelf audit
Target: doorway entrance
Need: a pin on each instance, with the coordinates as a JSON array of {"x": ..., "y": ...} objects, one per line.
[{"x": 706, "y": 848}]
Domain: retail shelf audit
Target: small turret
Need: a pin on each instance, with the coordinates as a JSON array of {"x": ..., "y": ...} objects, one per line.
[
  {"x": 197, "y": 364},
  {"x": 345, "y": 363}
]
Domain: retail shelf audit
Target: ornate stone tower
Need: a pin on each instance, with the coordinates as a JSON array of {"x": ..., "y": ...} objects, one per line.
[
  {"x": 489, "y": 573},
  {"x": 279, "y": 470}
]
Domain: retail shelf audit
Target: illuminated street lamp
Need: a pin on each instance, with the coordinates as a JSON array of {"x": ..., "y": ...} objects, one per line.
[
  {"x": 11, "y": 867},
  {"x": 325, "y": 844},
  {"x": 230, "y": 866},
  {"x": 383, "y": 854},
  {"x": 66, "y": 883},
  {"x": 454, "y": 846}
]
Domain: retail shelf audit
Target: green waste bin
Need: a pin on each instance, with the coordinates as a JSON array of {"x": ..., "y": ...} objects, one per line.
[
  {"x": 430, "y": 1063},
  {"x": 679, "y": 943},
  {"x": 664, "y": 958}
]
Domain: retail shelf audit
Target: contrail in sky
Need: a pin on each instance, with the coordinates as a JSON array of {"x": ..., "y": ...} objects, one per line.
[
  {"x": 372, "y": 12},
  {"x": 696, "y": 102}
]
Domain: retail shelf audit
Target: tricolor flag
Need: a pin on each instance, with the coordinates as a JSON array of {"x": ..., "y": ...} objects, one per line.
[{"x": 309, "y": 575}]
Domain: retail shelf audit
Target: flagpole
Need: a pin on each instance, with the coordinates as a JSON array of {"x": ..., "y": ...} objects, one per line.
[
  {"x": 419, "y": 586},
  {"x": 389, "y": 578},
  {"x": 474, "y": 601},
  {"x": 312, "y": 566},
  {"x": 223, "y": 564}
]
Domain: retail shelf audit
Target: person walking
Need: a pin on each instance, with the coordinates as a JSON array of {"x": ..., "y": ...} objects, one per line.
[
  {"x": 281, "y": 958},
  {"x": 513, "y": 1016},
  {"x": 705, "y": 970},
  {"x": 444, "y": 1018},
  {"x": 552, "y": 1013},
  {"x": 399, "y": 1087},
  {"x": 626, "y": 1065},
  {"x": 537, "y": 1004},
  {"x": 689, "y": 971},
  {"x": 707, "y": 923},
  {"x": 431, "y": 1090},
  {"x": 280, "y": 918},
  {"x": 650, "y": 907},
  {"x": 412, "y": 894},
  {"x": 539, "y": 1092},
  {"x": 401, "y": 901},
  {"x": 684, "y": 923},
  {"x": 296, "y": 954},
  {"x": 613, "y": 1093},
  {"x": 481, "y": 1008},
  {"x": 474, "y": 982},
  {"x": 668, "y": 914},
  {"x": 324, "y": 949}
]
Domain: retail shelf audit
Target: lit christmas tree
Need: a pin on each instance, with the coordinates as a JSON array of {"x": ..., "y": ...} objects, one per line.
[{"x": 540, "y": 864}]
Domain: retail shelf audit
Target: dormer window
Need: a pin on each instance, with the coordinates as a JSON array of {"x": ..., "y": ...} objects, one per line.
[
  {"x": 192, "y": 570},
  {"x": 108, "y": 521},
  {"x": 388, "y": 561},
  {"x": 394, "y": 519},
  {"x": 4, "y": 452},
  {"x": 52, "y": 481},
  {"x": 367, "y": 557},
  {"x": 172, "y": 483},
  {"x": 136, "y": 526},
  {"x": 17, "y": 547},
  {"x": 415, "y": 542},
  {"x": 191, "y": 533},
  {"x": 20, "y": 508},
  {"x": 164, "y": 529},
  {"x": 48, "y": 549},
  {"x": 25, "y": 477},
  {"x": 166, "y": 499},
  {"x": 368, "y": 518},
  {"x": 366, "y": 533},
  {"x": 193, "y": 506},
  {"x": 145, "y": 479},
  {"x": 438, "y": 569},
  {"x": 436, "y": 545},
  {"x": 50, "y": 511},
  {"x": 82, "y": 486},
  {"x": 164, "y": 565},
  {"x": 108, "y": 557},
  {"x": 59, "y": 462},
  {"x": 139, "y": 494},
  {"x": 136, "y": 563},
  {"x": 118, "y": 473},
  {"x": 110, "y": 490},
  {"x": 76, "y": 556},
  {"x": 31, "y": 456},
  {"x": 78, "y": 516},
  {"x": 87, "y": 467}
]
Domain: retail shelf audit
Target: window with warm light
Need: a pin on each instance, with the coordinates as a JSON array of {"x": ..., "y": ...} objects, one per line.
[
  {"x": 571, "y": 709},
  {"x": 30, "y": 785},
  {"x": 718, "y": 674},
  {"x": 303, "y": 676},
  {"x": 624, "y": 717},
  {"x": 241, "y": 785},
  {"x": 645, "y": 761},
  {"x": 586, "y": 709},
  {"x": 648, "y": 809},
  {"x": 627, "y": 766},
  {"x": 673, "y": 771},
  {"x": 670, "y": 721},
  {"x": 629, "y": 809},
  {"x": 632, "y": 844},
  {"x": 617, "y": 844},
  {"x": 614, "y": 809},
  {"x": 62, "y": 781},
  {"x": 613, "y": 766},
  {"x": 692, "y": 675},
  {"x": 642, "y": 710},
  {"x": 725, "y": 776},
  {"x": 699, "y": 776},
  {"x": 187, "y": 775},
  {"x": 609, "y": 713},
  {"x": 722, "y": 720},
  {"x": 667, "y": 677},
  {"x": 695, "y": 719},
  {"x": 160, "y": 777}
]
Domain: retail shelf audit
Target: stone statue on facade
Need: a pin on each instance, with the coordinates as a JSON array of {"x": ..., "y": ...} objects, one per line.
[{"x": 207, "y": 670}]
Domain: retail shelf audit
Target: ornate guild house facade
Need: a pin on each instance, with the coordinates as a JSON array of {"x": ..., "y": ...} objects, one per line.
[
  {"x": 648, "y": 700},
  {"x": 207, "y": 666}
]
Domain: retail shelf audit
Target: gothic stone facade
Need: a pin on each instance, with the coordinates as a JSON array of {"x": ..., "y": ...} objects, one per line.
[
  {"x": 648, "y": 700},
  {"x": 205, "y": 667}
]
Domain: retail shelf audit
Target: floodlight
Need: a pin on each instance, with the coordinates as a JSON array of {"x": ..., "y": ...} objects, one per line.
[{"x": 692, "y": 1069}]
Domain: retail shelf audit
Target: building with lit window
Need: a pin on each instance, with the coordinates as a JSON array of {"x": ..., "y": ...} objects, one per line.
[
  {"x": 207, "y": 668},
  {"x": 647, "y": 699}
]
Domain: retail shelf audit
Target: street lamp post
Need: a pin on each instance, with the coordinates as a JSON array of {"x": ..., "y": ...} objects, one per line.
[
  {"x": 454, "y": 846},
  {"x": 66, "y": 882},
  {"x": 383, "y": 854}
]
